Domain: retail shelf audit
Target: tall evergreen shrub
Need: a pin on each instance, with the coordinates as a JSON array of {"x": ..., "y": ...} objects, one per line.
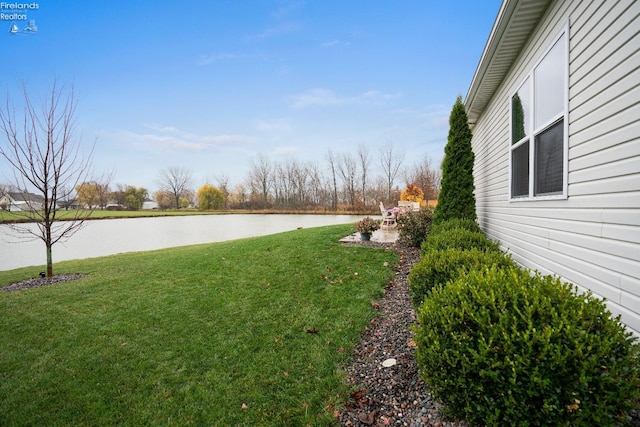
[{"x": 456, "y": 199}]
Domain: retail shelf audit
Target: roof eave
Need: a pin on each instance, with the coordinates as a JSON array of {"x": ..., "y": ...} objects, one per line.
[{"x": 514, "y": 23}]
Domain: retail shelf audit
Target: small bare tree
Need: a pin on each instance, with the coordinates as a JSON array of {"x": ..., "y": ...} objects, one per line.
[
  {"x": 260, "y": 178},
  {"x": 390, "y": 161},
  {"x": 363, "y": 156},
  {"x": 425, "y": 176},
  {"x": 331, "y": 159},
  {"x": 348, "y": 170},
  {"x": 175, "y": 180},
  {"x": 45, "y": 157},
  {"x": 222, "y": 181}
]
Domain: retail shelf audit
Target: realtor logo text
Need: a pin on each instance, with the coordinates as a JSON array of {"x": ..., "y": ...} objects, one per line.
[{"x": 16, "y": 11}]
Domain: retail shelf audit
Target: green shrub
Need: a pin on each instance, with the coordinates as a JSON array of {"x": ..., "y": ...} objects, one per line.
[
  {"x": 439, "y": 267},
  {"x": 445, "y": 226},
  {"x": 414, "y": 226},
  {"x": 458, "y": 238},
  {"x": 502, "y": 347},
  {"x": 456, "y": 198}
]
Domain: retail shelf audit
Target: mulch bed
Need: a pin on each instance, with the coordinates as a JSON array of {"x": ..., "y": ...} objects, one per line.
[{"x": 37, "y": 282}]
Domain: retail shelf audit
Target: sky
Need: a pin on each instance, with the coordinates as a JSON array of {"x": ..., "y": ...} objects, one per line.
[{"x": 209, "y": 85}]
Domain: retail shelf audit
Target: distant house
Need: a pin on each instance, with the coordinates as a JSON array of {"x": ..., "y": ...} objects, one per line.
[
  {"x": 554, "y": 107},
  {"x": 149, "y": 204},
  {"x": 21, "y": 201}
]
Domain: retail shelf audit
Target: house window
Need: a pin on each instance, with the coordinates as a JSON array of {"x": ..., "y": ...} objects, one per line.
[{"x": 538, "y": 128}]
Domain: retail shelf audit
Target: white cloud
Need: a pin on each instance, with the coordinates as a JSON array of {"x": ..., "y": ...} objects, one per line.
[
  {"x": 431, "y": 117},
  {"x": 274, "y": 125},
  {"x": 286, "y": 150},
  {"x": 209, "y": 58},
  {"x": 286, "y": 10},
  {"x": 172, "y": 139},
  {"x": 284, "y": 28},
  {"x": 335, "y": 43},
  {"x": 324, "y": 97}
]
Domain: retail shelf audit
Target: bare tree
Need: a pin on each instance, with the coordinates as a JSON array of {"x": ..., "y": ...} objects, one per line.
[
  {"x": 348, "y": 172},
  {"x": 390, "y": 161},
  {"x": 334, "y": 182},
  {"x": 238, "y": 197},
  {"x": 222, "y": 180},
  {"x": 425, "y": 176},
  {"x": 363, "y": 156},
  {"x": 261, "y": 177},
  {"x": 175, "y": 180},
  {"x": 317, "y": 195},
  {"x": 164, "y": 199},
  {"x": 45, "y": 157}
]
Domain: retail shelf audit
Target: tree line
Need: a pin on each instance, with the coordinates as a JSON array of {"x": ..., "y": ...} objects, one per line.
[{"x": 344, "y": 181}]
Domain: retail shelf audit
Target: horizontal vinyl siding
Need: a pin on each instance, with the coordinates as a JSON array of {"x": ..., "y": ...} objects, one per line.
[{"x": 592, "y": 238}]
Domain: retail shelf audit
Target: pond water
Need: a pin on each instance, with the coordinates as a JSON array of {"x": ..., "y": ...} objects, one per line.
[{"x": 112, "y": 236}]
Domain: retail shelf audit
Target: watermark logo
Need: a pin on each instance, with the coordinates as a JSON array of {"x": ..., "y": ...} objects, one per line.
[{"x": 19, "y": 16}]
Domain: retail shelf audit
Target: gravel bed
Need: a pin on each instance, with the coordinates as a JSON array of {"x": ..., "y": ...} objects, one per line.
[
  {"x": 37, "y": 282},
  {"x": 396, "y": 395},
  {"x": 391, "y": 396}
]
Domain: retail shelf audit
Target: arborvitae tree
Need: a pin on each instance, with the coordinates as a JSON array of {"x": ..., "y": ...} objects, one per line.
[
  {"x": 456, "y": 199},
  {"x": 517, "y": 117}
]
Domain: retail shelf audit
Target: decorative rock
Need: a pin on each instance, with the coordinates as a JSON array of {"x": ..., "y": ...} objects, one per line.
[{"x": 389, "y": 363}]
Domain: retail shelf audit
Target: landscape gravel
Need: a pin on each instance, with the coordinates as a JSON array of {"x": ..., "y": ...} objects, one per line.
[
  {"x": 395, "y": 395},
  {"x": 37, "y": 282}
]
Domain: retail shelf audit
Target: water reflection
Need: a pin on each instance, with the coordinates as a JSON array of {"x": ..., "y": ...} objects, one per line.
[{"x": 108, "y": 237}]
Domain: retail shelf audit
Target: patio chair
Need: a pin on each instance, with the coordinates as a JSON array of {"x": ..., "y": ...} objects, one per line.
[{"x": 388, "y": 217}]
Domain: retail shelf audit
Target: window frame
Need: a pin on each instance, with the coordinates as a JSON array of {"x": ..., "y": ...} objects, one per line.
[{"x": 533, "y": 132}]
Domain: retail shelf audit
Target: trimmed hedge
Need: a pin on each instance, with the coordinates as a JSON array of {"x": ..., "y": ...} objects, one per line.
[
  {"x": 414, "y": 226},
  {"x": 439, "y": 267},
  {"x": 502, "y": 347},
  {"x": 458, "y": 238},
  {"x": 466, "y": 224}
]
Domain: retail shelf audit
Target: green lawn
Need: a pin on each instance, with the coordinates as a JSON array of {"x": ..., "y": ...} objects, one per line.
[{"x": 214, "y": 334}]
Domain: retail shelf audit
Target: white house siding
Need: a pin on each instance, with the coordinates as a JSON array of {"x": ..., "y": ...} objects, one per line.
[{"x": 592, "y": 238}]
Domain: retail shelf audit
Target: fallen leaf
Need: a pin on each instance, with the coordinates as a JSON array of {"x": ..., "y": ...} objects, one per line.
[
  {"x": 367, "y": 419},
  {"x": 123, "y": 344},
  {"x": 277, "y": 340},
  {"x": 312, "y": 331},
  {"x": 360, "y": 399},
  {"x": 244, "y": 406},
  {"x": 412, "y": 343},
  {"x": 286, "y": 374},
  {"x": 341, "y": 350}
]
